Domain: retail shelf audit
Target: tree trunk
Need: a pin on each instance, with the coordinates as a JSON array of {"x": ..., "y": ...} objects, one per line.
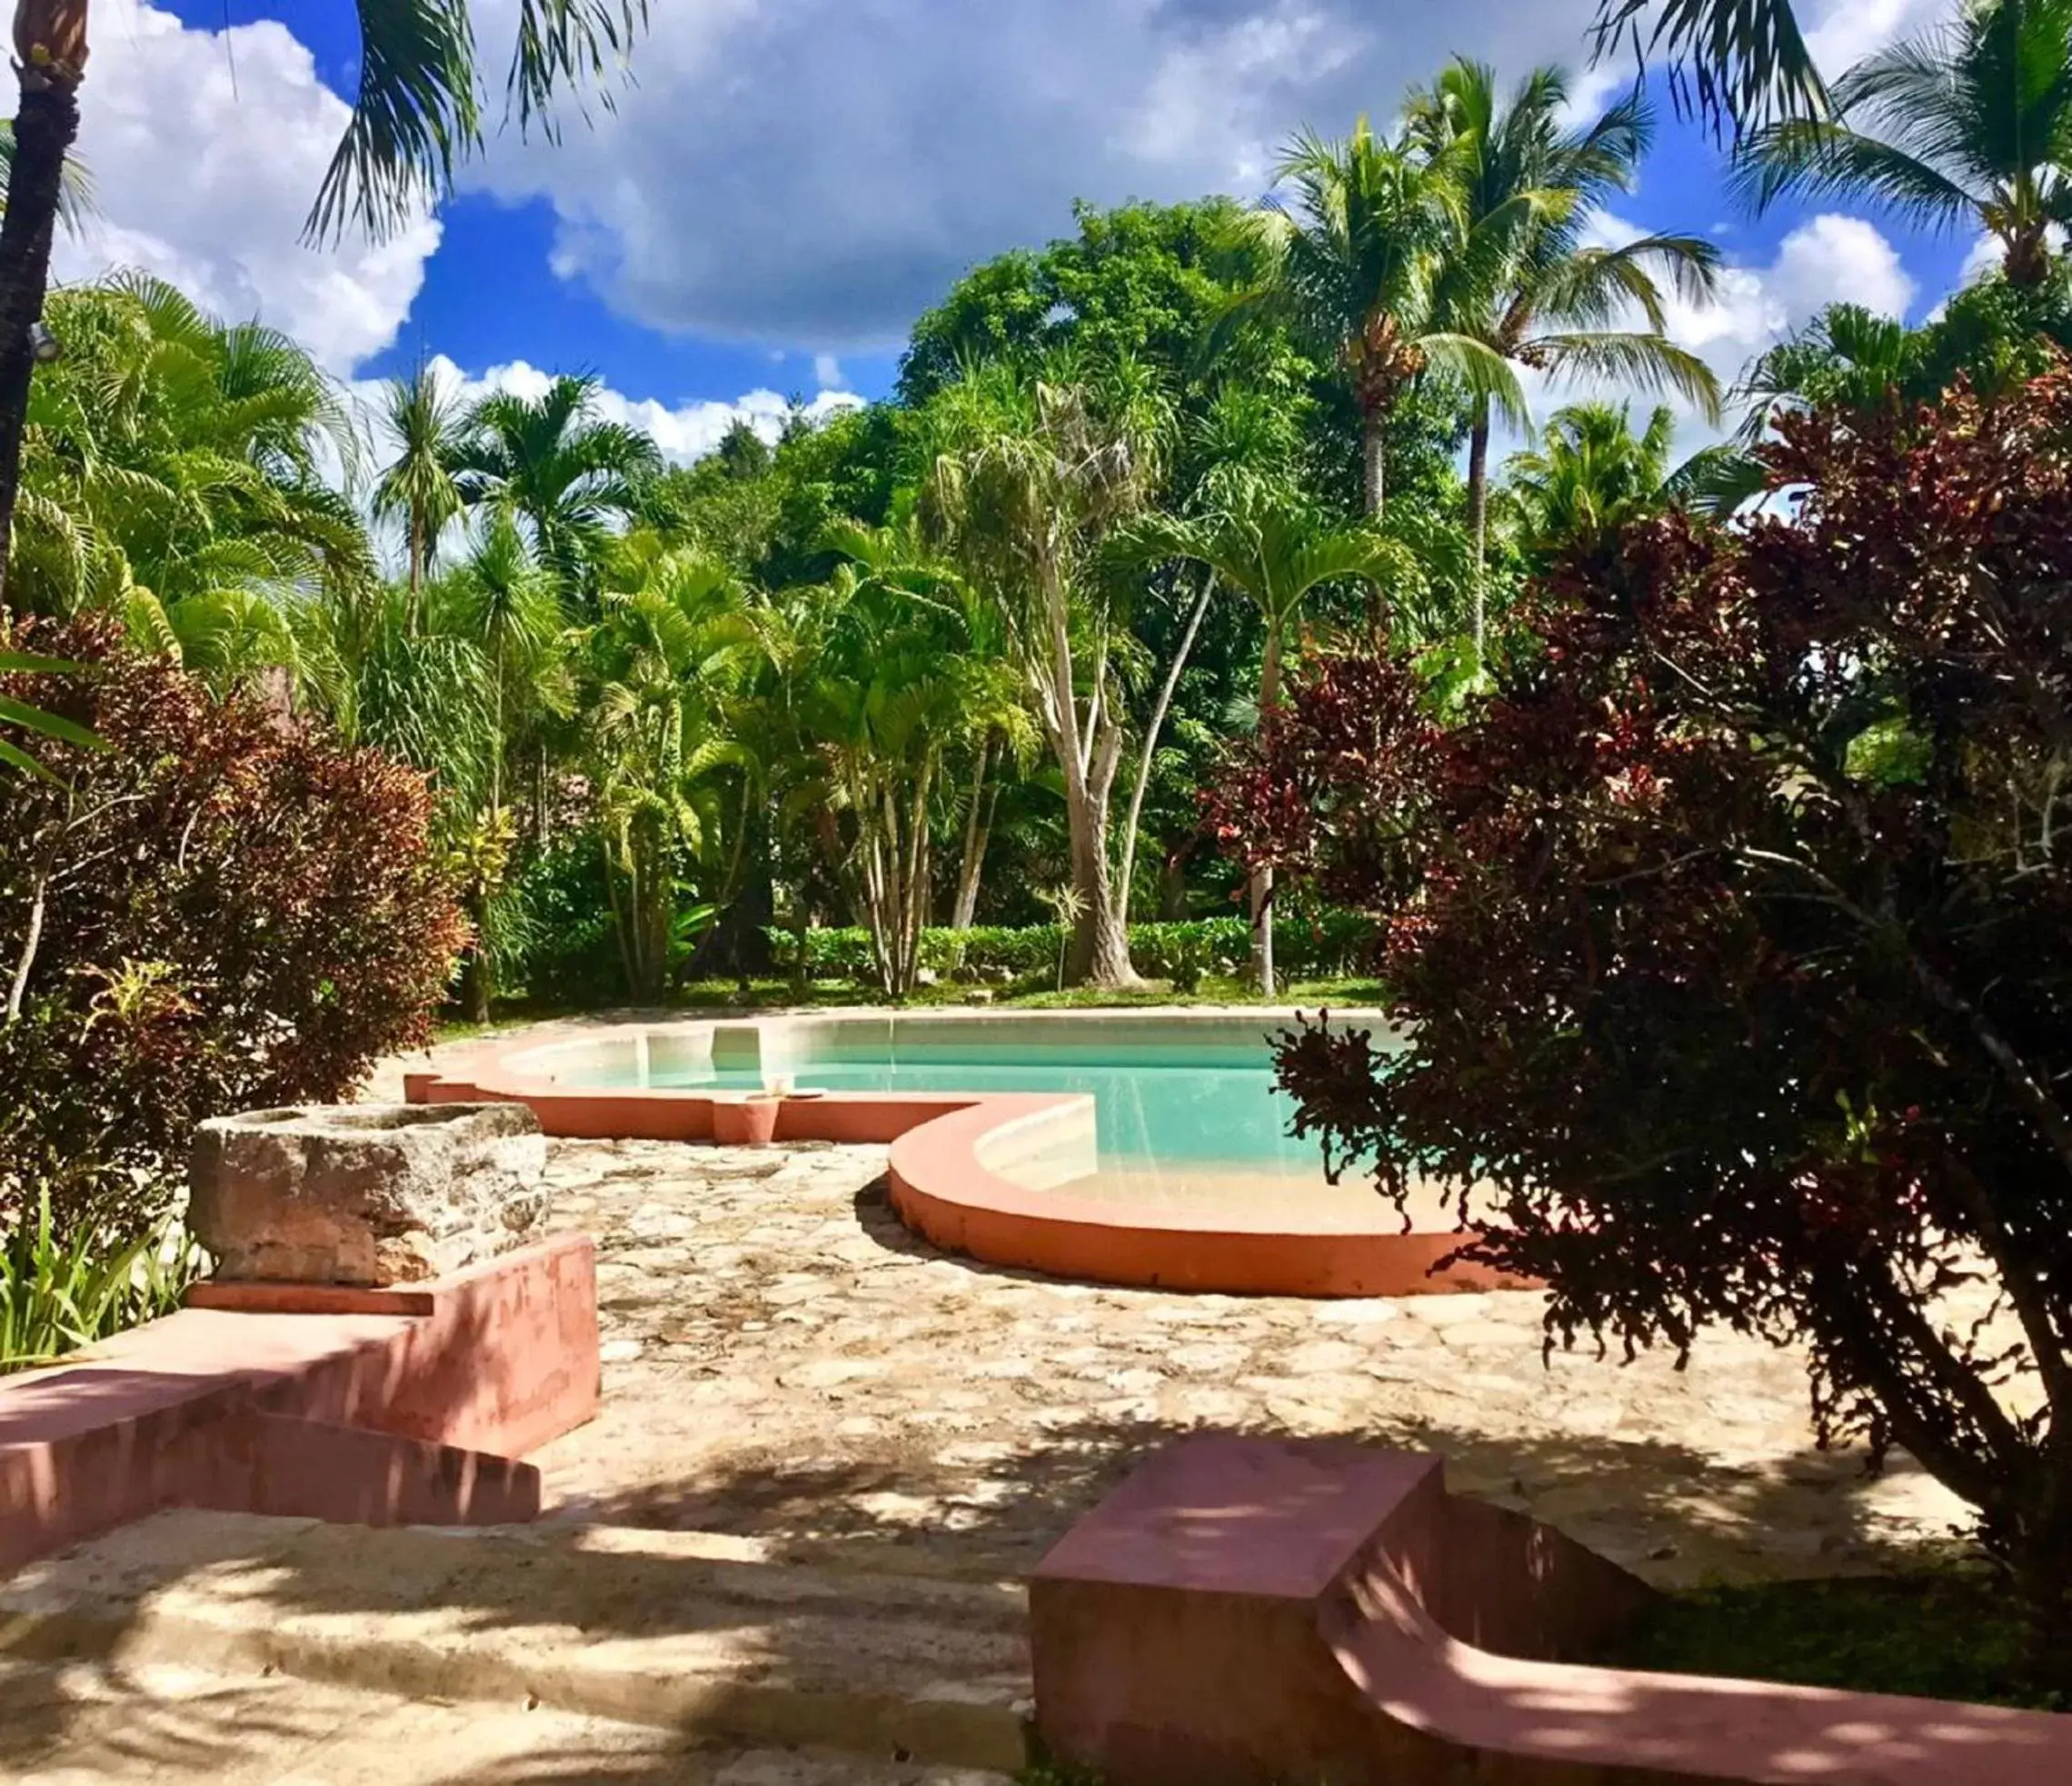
[
  {"x": 801, "y": 932},
  {"x": 1374, "y": 466},
  {"x": 1151, "y": 733},
  {"x": 1260, "y": 887},
  {"x": 2039, "y": 1559},
  {"x": 2025, "y": 260},
  {"x": 416, "y": 616},
  {"x": 24, "y": 963},
  {"x": 1479, "y": 516},
  {"x": 978, "y": 829},
  {"x": 476, "y": 987},
  {"x": 1172, "y": 885},
  {"x": 1374, "y": 459},
  {"x": 50, "y": 47},
  {"x": 1099, "y": 951},
  {"x": 1099, "y": 955}
]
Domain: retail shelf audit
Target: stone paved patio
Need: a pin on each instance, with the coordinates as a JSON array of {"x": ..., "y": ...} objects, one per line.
[{"x": 784, "y": 1360}]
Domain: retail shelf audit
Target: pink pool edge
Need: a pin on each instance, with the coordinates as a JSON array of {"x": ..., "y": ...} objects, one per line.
[
  {"x": 1245, "y": 1611},
  {"x": 943, "y": 1181}
]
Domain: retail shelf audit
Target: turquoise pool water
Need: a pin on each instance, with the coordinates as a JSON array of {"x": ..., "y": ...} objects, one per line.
[
  {"x": 1199, "y": 1127},
  {"x": 1144, "y": 1112}
]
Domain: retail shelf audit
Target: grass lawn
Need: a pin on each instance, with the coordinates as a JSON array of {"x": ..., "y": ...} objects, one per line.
[
  {"x": 704, "y": 996},
  {"x": 1944, "y": 1633}
]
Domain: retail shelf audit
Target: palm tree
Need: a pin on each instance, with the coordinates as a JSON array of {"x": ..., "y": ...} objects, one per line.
[
  {"x": 176, "y": 470},
  {"x": 1742, "y": 62},
  {"x": 504, "y": 603},
  {"x": 1245, "y": 438},
  {"x": 1968, "y": 125},
  {"x": 1032, "y": 470},
  {"x": 417, "y": 113},
  {"x": 903, "y": 683},
  {"x": 75, "y": 192},
  {"x": 549, "y": 463},
  {"x": 1544, "y": 296},
  {"x": 1590, "y": 477},
  {"x": 422, "y": 422},
  {"x": 673, "y": 642},
  {"x": 999, "y": 734},
  {"x": 1355, "y": 268},
  {"x": 1271, "y": 549},
  {"x": 1848, "y": 356}
]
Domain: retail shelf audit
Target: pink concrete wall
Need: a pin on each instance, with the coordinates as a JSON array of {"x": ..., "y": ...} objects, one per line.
[
  {"x": 376, "y": 1417},
  {"x": 1247, "y": 1612}
]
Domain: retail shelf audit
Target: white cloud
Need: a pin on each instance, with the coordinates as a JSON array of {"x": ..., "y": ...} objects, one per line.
[
  {"x": 815, "y": 174},
  {"x": 1828, "y": 259},
  {"x": 827, "y": 373},
  {"x": 684, "y": 432},
  {"x": 1842, "y": 32},
  {"x": 204, "y": 179}
]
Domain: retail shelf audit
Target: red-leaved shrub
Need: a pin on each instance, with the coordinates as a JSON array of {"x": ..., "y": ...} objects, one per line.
[
  {"x": 223, "y": 910},
  {"x": 1734, "y": 938}
]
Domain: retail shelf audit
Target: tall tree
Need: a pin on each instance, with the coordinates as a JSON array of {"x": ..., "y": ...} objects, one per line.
[
  {"x": 1355, "y": 268},
  {"x": 908, "y": 679},
  {"x": 672, "y": 778},
  {"x": 417, "y": 113},
  {"x": 421, "y": 421},
  {"x": 1271, "y": 549},
  {"x": 1245, "y": 440},
  {"x": 1542, "y": 294},
  {"x": 1031, "y": 469},
  {"x": 1966, "y": 126},
  {"x": 551, "y": 464}
]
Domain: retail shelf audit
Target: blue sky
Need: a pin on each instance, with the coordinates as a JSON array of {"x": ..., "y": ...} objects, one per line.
[{"x": 790, "y": 180}]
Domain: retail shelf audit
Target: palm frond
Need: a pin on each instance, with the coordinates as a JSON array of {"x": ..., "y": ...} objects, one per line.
[
  {"x": 1739, "y": 63},
  {"x": 417, "y": 111},
  {"x": 1647, "y": 361}
]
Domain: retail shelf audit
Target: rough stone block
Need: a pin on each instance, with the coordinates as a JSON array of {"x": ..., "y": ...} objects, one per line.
[{"x": 369, "y": 1194}]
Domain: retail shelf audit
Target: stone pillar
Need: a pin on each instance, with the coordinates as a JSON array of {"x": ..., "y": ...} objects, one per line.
[{"x": 366, "y": 1194}]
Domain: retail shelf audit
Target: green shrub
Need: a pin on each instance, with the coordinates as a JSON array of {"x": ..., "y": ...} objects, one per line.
[
  {"x": 223, "y": 910},
  {"x": 570, "y": 956},
  {"x": 57, "y": 1294},
  {"x": 1325, "y": 945}
]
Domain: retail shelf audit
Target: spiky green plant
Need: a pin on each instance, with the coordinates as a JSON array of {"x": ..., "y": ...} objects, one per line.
[{"x": 61, "y": 1292}]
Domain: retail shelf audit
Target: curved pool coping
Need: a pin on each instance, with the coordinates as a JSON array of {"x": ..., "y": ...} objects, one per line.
[{"x": 945, "y": 1147}]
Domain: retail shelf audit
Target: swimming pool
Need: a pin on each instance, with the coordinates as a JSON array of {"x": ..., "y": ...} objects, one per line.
[
  {"x": 1124, "y": 1147},
  {"x": 1185, "y": 1112}
]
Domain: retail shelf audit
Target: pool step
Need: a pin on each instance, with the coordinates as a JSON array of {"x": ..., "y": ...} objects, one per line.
[{"x": 672, "y": 1630}]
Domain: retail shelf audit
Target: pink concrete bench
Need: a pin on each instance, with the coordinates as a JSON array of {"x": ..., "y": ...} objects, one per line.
[
  {"x": 1245, "y": 1611},
  {"x": 379, "y": 1407}
]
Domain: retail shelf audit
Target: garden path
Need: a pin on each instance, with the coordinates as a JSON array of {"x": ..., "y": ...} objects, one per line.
[{"x": 784, "y": 1360}]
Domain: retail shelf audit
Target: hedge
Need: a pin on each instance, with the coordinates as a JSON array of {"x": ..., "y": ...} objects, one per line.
[{"x": 1327, "y": 946}]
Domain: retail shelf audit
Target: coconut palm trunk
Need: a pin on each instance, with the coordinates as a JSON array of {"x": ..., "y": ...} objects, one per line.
[
  {"x": 1479, "y": 516},
  {"x": 1374, "y": 459},
  {"x": 50, "y": 52}
]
